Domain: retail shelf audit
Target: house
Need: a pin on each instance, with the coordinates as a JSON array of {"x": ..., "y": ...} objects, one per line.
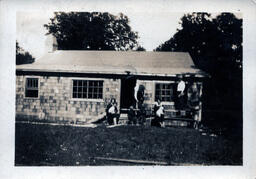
[{"x": 77, "y": 85}]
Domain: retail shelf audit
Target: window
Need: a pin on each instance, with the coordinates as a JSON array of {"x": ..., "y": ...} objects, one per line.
[
  {"x": 164, "y": 91},
  {"x": 87, "y": 89},
  {"x": 31, "y": 88}
]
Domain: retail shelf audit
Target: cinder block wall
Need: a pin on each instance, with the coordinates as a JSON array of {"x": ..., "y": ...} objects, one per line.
[{"x": 55, "y": 101}]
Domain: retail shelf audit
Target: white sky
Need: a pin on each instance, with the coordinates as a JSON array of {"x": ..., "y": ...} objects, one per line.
[{"x": 153, "y": 29}]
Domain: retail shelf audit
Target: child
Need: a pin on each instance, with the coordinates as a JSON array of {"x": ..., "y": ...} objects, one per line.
[
  {"x": 159, "y": 114},
  {"x": 131, "y": 116},
  {"x": 113, "y": 113}
]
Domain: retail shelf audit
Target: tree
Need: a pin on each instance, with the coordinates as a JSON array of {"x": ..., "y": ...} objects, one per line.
[
  {"x": 23, "y": 57},
  {"x": 208, "y": 40},
  {"x": 140, "y": 48},
  {"x": 92, "y": 31},
  {"x": 215, "y": 45}
]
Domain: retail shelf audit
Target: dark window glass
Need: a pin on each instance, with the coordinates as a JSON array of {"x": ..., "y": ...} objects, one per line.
[
  {"x": 75, "y": 83},
  {"x": 31, "y": 89},
  {"x": 164, "y": 91}
]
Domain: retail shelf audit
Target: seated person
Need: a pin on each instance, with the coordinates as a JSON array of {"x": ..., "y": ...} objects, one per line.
[
  {"x": 158, "y": 114},
  {"x": 112, "y": 112}
]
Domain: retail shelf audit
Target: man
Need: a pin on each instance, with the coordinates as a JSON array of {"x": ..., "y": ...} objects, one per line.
[{"x": 180, "y": 101}]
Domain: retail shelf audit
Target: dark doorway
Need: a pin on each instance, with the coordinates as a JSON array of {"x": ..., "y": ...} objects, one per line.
[{"x": 127, "y": 91}]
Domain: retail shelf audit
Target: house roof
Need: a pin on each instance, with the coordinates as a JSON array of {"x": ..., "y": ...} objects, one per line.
[{"x": 115, "y": 62}]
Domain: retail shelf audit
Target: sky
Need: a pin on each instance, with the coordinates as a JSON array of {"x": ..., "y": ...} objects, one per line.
[{"x": 153, "y": 29}]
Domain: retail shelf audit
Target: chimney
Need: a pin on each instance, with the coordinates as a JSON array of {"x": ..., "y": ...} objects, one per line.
[{"x": 51, "y": 44}]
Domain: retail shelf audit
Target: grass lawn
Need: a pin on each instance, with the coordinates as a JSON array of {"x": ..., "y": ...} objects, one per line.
[{"x": 46, "y": 145}]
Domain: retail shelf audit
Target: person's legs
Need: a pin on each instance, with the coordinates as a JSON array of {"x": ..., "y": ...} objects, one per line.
[
  {"x": 110, "y": 119},
  {"x": 196, "y": 119},
  {"x": 117, "y": 118},
  {"x": 114, "y": 121},
  {"x": 162, "y": 120},
  {"x": 156, "y": 122}
]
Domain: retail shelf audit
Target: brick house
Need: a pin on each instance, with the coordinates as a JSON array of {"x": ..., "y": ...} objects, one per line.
[{"x": 77, "y": 85}]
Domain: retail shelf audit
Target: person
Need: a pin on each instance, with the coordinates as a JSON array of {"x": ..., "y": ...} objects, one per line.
[
  {"x": 138, "y": 95},
  {"x": 180, "y": 102},
  {"x": 141, "y": 114},
  {"x": 136, "y": 89},
  {"x": 112, "y": 112},
  {"x": 131, "y": 116},
  {"x": 158, "y": 114},
  {"x": 194, "y": 103}
]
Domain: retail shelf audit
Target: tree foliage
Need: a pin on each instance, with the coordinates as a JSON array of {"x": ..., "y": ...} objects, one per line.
[
  {"x": 215, "y": 45},
  {"x": 92, "y": 31},
  {"x": 140, "y": 48},
  {"x": 210, "y": 41},
  {"x": 23, "y": 57}
]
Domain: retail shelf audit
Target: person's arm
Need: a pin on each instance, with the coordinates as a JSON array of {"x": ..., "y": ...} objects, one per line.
[
  {"x": 136, "y": 88},
  {"x": 155, "y": 108},
  {"x": 107, "y": 108}
]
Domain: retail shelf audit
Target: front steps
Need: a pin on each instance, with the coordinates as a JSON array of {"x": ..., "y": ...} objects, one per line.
[{"x": 177, "y": 120}]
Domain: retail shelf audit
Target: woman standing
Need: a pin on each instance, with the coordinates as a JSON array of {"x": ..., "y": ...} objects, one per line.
[{"x": 194, "y": 103}]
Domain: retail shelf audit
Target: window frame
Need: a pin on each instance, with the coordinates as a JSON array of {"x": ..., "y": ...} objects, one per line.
[
  {"x": 87, "y": 99},
  {"x": 163, "y": 82},
  {"x": 25, "y": 86}
]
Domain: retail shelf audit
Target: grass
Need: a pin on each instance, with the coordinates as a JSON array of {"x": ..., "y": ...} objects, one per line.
[{"x": 46, "y": 145}]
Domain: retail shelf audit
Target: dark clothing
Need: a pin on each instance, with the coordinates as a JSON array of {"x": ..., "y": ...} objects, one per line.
[
  {"x": 140, "y": 96},
  {"x": 156, "y": 121},
  {"x": 110, "y": 117},
  {"x": 194, "y": 103},
  {"x": 141, "y": 115},
  {"x": 131, "y": 117},
  {"x": 193, "y": 97},
  {"x": 156, "y": 107},
  {"x": 180, "y": 100}
]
